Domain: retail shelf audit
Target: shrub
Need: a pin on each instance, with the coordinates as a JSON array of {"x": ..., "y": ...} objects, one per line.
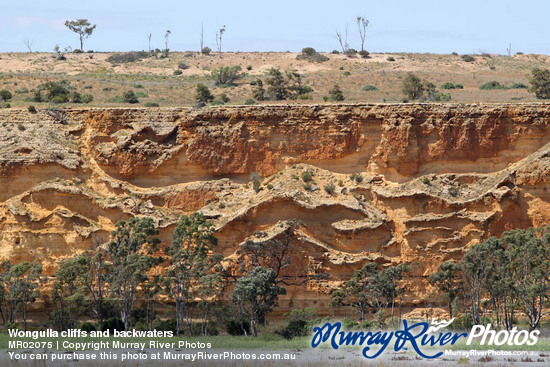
[
  {"x": 390, "y": 58},
  {"x": 335, "y": 52},
  {"x": 5, "y": 95},
  {"x": 336, "y": 94},
  {"x": 203, "y": 94},
  {"x": 57, "y": 92},
  {"x": 235, "y": 328},
  {"x": 249, "y": 67},
  {"x": 330, "y": 188},
  {"x": 224, "y": 98},
  {"x": 309, "y": 54},
  {"x": 256, "y": 185},
  {"x": 225, "y": 75},
  {"x": 141, "y": 94},
  {"x": 151, "y": 104},
  {"x": 138, "y": 86},
  {"x": 364, "y": 54},
  {"x": 540, "y": 83},
  {"x": 448, "y": 85},
  {"x": 76, "y": 97},
  {"x": 130, "y": 97},
  {"x": 32, "y": 109},
  {"x": 127, "y": 57},
  {"x": 368, "y": 88},
  {"x": 108, "y": 89},
  {"x": 351, "y": 52},
  {"x": 439, "y": 96},
  {"x": 307, "y": 176},
  {"x": 346, "y": 73},
  {"x": 426, "y": 181},
  {"x": 87, "y": 326},
  {"x": 250, "y": 101},
  {"x": 412, "y": 86},
  {"x": 356, "y": 177},
  {"x": 518, "y": 86},
  {"x": 467, "y": 58},
  {"x": 167, "y": 325},
  {"x": 293, "y": 329},
  {"x": 183, "y": 66},
  {"x": 206, "y": 51},
  {"x": 22, "y": 90},
  {"x": 178, "y": 72},
  {"x": 453, "y": 191},
  {"x": 5, "y": 105},
  {"x": 87, "y": 98},
  {"x": 112, "y": 324},
  {"x": 492, "y": 85}
]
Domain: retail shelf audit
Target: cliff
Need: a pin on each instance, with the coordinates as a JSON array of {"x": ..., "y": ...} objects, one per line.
[{"x": 434, "y": 179}]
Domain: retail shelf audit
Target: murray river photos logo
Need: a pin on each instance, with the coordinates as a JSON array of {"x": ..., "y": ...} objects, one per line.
[{"x": 418, "y": 336}]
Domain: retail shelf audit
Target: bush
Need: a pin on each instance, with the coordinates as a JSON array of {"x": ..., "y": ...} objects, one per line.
[
  {"x": 492, "y": 85},
  {"x": 335, "y": 52},
  {"x": 330, "y": 188},
  {"x": 364, "y": 54},
  {"x": 87, "y": 326},
  {"x": 112, "y": 324},
  {"x": 178, "y": 72},
  {"x": 87, "y": 98},
  {"x": 307, "y": 176},
  {"x": 250, "y": 101},
  {"x": 151, "y": 104},
  {"x": 346, "y": 73},
  {"x": 203, "y": 94},
  {"x": 127, "y": 57},
  {"x": 224, "y": 98},
  {"x": 235, "y": 328},
  {"x": 206, "y": 50},
  {"x": 5, "y": 105},
  {"x": 467, "y": 58},
  {"x": 351, "y": 52},
  {"x": 57, "y": 92},
  {"x": 336, "y": 94},
  {"x": 450, "y": 85},
  {"x": 540, "y": 83},
  {"x": 356, "y": 177},
  {"x": 390, "y": 58},
  {"x": 412, "y": 86},
  {"x": 130, "y": 97},
  {"x": 518, "y": 86},
  {"x": 349, "y": 324},
  {"x": 293, "y": 329},
  {"x": 249, "y": 67},
  {"x": 32, "y": 109},
  {"x": 225, "y": 75},
  {"x": 453, "y": 191},
  {"x": 368, "y": 88},
  {"x": 5, "y": 95},
  {"x": 167, "y": 325},
  {"x": 309, "y": 54},
  {"x": 256, "y": 185},
  {"x": 441, "y": 97},
  {"x": 183, "y": 66}
]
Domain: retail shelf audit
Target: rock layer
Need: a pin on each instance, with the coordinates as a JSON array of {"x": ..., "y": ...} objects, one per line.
[{"x": 434, "y": 179}]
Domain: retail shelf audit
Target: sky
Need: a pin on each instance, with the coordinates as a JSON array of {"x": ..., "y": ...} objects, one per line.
[{"x": 434, "y": 26}]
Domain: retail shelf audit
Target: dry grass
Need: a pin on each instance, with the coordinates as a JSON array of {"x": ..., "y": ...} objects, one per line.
[{"x": 91, "y": 73}]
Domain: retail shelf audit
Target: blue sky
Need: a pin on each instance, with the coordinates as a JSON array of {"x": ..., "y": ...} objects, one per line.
[{"x": 440, "y": 26}]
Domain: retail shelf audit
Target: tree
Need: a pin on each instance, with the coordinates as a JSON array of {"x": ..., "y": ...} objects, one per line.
[
  {"x": 296, "y": 85},
  {"x": 191, "y": 272},
  {"x": 82, "y": 27},
  {"x": 335, "y": 94},
  {"x": 362, "y": 25},
  {"x": 149, "y": 38},
  {"x": 257, "y": 294},
  {"x": 18, "y": 287},
  {"x": 130, "y": 97},
  {"x": 166, "y": 35},
  {"x": 225, "y": 75},
  {"x": 277, "y": 85},
  {"x": 540, "y": 83},
  {"x": 5, "y": 95},
  {"x": 412, "y": 86},
  {"x": 28, "y": 43},
  {"x": 70, "y": 292},
  {"x": 357, "y": 291},
  {"x": 343, "y": 39},
  {"x": 201, "y": 39},
  {"x": 446, "y": 279},
  {"x": 219, "y": 36},
  {"x": 203, "y": 94},
  {"x": 130, "y": 251},
  {"x": 258, "y": 92}
]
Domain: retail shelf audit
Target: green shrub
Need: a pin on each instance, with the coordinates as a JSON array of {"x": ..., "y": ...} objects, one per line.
[
  {"x": 138, "y": 86},
  {"x": 151, "y": 104},
  {"x": 5, "y": 95},
  {"x": 356, "y": 177},
  {"x": 335, "y": 52},
  {"x": 224, "y": 98},
  {"x": 518, "y": 86},
  {"x": 412, "y": 86},
  {"x": 206, "y": 51},
  {"x": 467, "y": 58},
  {"x": 450, "y": 85},
  {"x": 87, "y": 98},
  {"x": 453, "y": 191},
  {"x": 330, "y": 188},
  {"x": 87, "y": 326},
  {"x": 439, "y": 96},
  {"x": 364, "y": 54},
  {"x": 426, "y": 181},
  {"x": 141, "y": 94},
  {"x": 390, "y": 58},
  {"x": 112, "y": 324},
  {"x": 351, "y": 52},
  {"x": 127, "y": 57},
  {"x": 108, "y": 89},
  {"x": 167, "y": 325},
  {"x": 130, "y": 97},
  {"x": 335, "y": 94},
  {"x": 307, "y": 176},
  {"x": 203, "y": 94},
  {"x": 178, "y": 72},
  {"x": 256, "y": 185},
  {"x": 294, "y": 328},
  {"x": 225, "y": 75},
  {"x": 250, "y": 101},
  {"x": 368, "y": 88},
  {"x": 32, "y": 109},
  {"x": 183, "y": 66},
  {"x": 309, "y": 54},
  {"x": 492, "y": 85},
  {"x": 249, "y": 67},
  {"x": 349, "y": 324},
  {"x": 346, "y": 73},
  {"x": 540, "y": 83},
  {"x": 5, "y": 105},
  {"x": 22, "y": 90}
]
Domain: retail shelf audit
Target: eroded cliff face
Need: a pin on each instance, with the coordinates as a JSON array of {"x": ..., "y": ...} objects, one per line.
[{"x": 435, "y": 180}]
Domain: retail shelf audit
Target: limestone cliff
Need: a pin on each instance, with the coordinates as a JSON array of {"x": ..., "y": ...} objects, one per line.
[{"x": 434, "y": 179}]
